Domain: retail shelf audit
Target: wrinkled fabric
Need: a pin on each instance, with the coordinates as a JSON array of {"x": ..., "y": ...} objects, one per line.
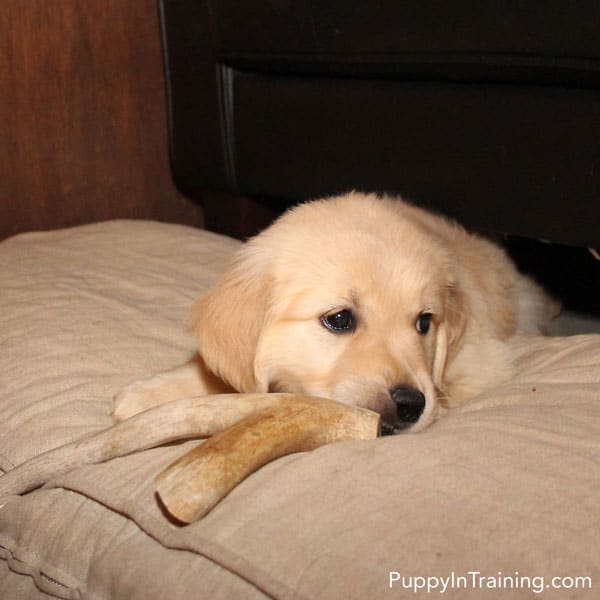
[{"x": 508, "y": 483}]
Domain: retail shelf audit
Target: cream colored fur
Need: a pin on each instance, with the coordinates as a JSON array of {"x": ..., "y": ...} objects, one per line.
[{"x": 260, "y": 329}]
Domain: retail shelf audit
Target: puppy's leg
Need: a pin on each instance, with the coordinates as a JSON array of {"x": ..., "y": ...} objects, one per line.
[{"x": 191, "y": 379}]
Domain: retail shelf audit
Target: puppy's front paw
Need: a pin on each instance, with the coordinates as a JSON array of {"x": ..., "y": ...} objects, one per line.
[{"x": 137, "y": 397}]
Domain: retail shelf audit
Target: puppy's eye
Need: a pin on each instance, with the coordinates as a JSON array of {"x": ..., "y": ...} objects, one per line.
[
  {"x": 339, "y": 321},
  {"x": 423, "y": 323}
]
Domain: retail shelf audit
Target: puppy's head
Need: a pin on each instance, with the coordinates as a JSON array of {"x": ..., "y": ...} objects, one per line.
[{"x": 348, "y": 298}]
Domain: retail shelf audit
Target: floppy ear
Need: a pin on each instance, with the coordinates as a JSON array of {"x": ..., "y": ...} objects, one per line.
[
  {"x": 229, "y": 318},
  {"x": 450, "y": 332}
]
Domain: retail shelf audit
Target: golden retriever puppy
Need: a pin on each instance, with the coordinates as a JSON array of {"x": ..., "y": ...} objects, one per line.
[{"x": 364, "y": 299}]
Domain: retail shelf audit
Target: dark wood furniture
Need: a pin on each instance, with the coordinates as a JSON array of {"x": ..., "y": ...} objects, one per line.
[{"x": 489, "y": 112}]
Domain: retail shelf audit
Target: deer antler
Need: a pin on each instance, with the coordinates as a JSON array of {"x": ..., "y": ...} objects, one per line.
[
  {"x": 195, "y": 483},
  {"x": 194, "y": 417}
]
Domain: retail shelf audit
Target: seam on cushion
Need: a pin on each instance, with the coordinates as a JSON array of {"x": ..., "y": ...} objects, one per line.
[
  {"x": 230, "y": 561},
  {"x": 22, "y": 564}
]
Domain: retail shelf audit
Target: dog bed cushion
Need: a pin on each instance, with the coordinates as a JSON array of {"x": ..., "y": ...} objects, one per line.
[{"x": 503, "y": 492}]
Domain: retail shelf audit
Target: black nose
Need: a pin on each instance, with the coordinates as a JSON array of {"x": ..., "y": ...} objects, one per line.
[{"x": 410, "y": 403}]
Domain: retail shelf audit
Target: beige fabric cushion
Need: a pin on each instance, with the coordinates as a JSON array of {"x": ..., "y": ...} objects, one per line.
[{"x": 508, "y": 483}]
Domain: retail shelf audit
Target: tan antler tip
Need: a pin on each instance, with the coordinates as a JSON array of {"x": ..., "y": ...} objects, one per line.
[{"x": 195, "y": 483}]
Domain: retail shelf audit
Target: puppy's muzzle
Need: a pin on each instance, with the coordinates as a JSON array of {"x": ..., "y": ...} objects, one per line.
[{"x": 409, "y": 402}]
